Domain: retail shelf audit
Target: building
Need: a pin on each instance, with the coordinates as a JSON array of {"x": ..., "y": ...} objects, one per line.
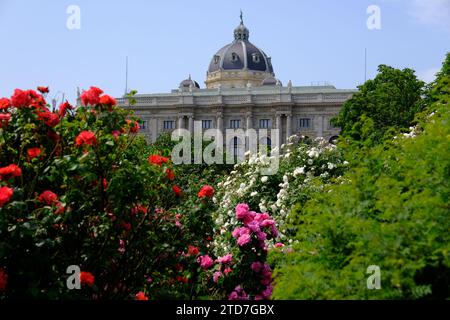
[{"x": 241, "y": 92}]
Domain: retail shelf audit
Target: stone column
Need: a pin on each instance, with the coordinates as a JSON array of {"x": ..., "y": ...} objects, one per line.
[
  {"x": 280, "y": 130},
  {"x": 180, "y": 122},
  {"x": 288, "y": 126},
  {"x": 191, "y": 124},
  {"x": 220, "y": 122},
  {"x": 249, "y": 121},
  {"x": 320, "y": 127}
]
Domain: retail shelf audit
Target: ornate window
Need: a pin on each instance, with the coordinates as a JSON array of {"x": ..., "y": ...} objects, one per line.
[
  {"x": 234, "y": 57},
  {"x": 206, "y": 124},
  {"x": 265, "y": 123},
  {"x": 216, "y": 59},
  {"x": 256, "y": 58},
  {"x": 169, "y": 124},
  {"x": 304, "y": 123},
  {"x": 235, "y": 124}
]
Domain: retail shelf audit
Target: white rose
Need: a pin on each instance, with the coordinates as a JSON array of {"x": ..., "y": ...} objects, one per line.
[{"x": 264, "y": 179}]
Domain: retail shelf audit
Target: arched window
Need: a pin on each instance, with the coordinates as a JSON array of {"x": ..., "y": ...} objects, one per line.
[
  {"x": 234, "y": 57},
  {"x": 265, "y": 145},
  {"x": 236, "y": 146},
  {"x": 237, "y": 149}
]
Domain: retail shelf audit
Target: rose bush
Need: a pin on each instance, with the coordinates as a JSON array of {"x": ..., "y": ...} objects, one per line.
[{"x": 77, "y": 187}]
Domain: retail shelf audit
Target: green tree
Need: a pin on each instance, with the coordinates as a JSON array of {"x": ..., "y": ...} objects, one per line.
[
  {"x": 391, "y": 209},
  {"x": 388, "y": 102}
]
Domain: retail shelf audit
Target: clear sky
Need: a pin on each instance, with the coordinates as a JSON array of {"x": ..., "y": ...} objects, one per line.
[{"x": 308, "y": 40}]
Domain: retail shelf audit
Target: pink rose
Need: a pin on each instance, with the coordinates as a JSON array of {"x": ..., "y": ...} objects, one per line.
[
  {"x": 256, "y": 266},
  {"x": 244, "y": 240},
  {"x": 205, "y": 261},
  {"x": 241, "y": 210},
  {"x": 216, "y": 276},
  {"x": 225, "y": 259}
]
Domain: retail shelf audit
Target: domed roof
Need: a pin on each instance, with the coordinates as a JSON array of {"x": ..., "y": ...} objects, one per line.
[
  {"x": 187, "y": 83},
  {"x": 271, "y": 81},
  {"x": 241, "y": 54}
]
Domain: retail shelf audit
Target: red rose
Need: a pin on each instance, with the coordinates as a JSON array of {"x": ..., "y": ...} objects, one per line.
[
  {"x": 5, "y": 195},
  {"x": 87, "y": 278},
  {"x": 3, "y": 280},
  {"x": 5, "y": 103},
  {"x": 33, "y": 152},
  {"x": 85, "y": 137},
  {"x": 10, "y": 171},
  {"x": 134, "y": 126},
  {"x": 182, "y": 279},
  {"x": 169, "y": 174},
  {"x": 141, "y": 296},
  {"x": 91, "y": 96},
  {"x": 63, "y": 107},
  {"x": 48, "y": 197},
  {"x": 206, "y": 191},
  {"x": 139, "y": 209},
  {"x": 49, "y": 118},
  {"x": 43, "y": 89},
  {"x": 108, "y": 101},
  {"x": 59, "y": 208},
  {"x": 177, "y": 190},
  {"x": 193, "y": 250},
  {"x": 20, "y": 98},
  {"x": 4, "y": 119},
  {"x": 157, "y": 159}
]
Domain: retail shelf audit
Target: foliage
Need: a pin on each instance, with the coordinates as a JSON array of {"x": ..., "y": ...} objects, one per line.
[
  {"x": 382, "y": 105},
  {"x": 84, "y": 194},
  {"x": 391, "y": 209}
]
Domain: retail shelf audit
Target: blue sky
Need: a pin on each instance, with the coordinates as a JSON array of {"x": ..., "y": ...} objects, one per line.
[{"x": 308, "y": 40}]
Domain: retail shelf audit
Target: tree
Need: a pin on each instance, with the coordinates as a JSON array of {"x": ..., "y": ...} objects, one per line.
[
  {"x": 388, "y": 102},
  {"x": 440, "y": 87},
  {"x": 390, "y": 209}
]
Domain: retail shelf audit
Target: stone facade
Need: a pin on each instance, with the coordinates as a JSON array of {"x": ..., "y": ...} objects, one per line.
[{"x": 241, "y": 93}]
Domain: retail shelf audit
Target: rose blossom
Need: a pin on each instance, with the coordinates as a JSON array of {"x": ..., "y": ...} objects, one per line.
[
  {"x": 108, "y": 101},
  {"x": 4, "y": 119},
  {"x": 48, "y": 197},
  {"x": 85, "y": 137},
  {"x": 225, "y": 259},
  {"x": 192, "y": 250},
  {"x": 141, "y": 296},
  {"x": 43, "y": 89},
  {"x": 33, "y": 152},
  {"x": 5, "y": 103},
  {"x": 10, "y": 171},
  {"x": 157, "y": 159},
  {"x": 91, "y": 96},
  {"x": 205, "y": 261},
  {"x": 216, "y": 276},
  {"x": 177, "y": 190},
  {"x": 256, "y": 266},
  {"x": 20, "y": 98},
  {"x": 206, "y": 191},
  {"x": 244, "y": 240},
  {"x": 241, "y": 210},
  {"x": 5, "y": 195},
  {"x": 87, "y": 278}
]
